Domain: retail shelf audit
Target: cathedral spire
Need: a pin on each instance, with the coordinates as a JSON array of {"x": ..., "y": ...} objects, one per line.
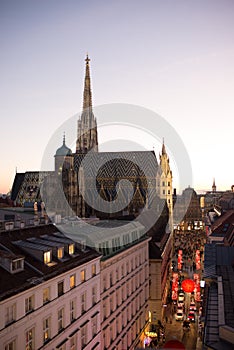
[
  {"x": 87, "y": 138},
  {"x": 163, "y": 148},
  {"x": 87, "y": 97}
]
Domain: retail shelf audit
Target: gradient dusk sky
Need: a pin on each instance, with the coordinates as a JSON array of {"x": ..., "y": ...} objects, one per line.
[{"x": 175, "y": 57}]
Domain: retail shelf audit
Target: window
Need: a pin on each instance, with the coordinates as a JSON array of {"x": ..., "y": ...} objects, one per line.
[
  {"x": 84, "y": 335},
  {"x": 71, "y": 249},
  {"x": 73, "y": 345},
  {"x": 82, "y": 275},
  {"x": 17, "y": 265},
  {"x": 10, "y": 314},
  {"x": 111, "y": 279},
  {"x": 104, "y": 282},
  {"x": 169, "y": 184},
  {"x": 163, "y": 183},
  {"x": 29, "y": 304},
  {"x": 72, "y": 281},
  {"x": 169, "y": 192},
  {"x": 94, "y": 295},
  {"x": 104, "y": 310},
  {"x": 117, "y": 274},
  {"x": 62, "y": 347},
  {"x": 60, "y": 289},
  {"x": 60, "y": 320},
  {"x": 46, "y": 295},
  {"x": 11, "y": 345},
  {"x": 46, "y": 329},
  {"x": 83, "y": 302},
  {"x": 47, "y": 257},
  {"x": 111, "y": 303},
  {"x": 93, "y": 269},
  {"x": 163, "y": 191},
  {"x": 30, "y": 339},
  {"x": 60, "y": 253},
  {"x": 122, "y": 270},
  {"x": 94, "y": 326},
  {"x": 72, "y": 310}
]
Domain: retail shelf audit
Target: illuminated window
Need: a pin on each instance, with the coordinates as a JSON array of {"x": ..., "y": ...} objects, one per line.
[
  {"x": 72, "y": 281},
  {"x": 60, "y": 253},
  {"x": 60, "y": 289},
  {"x": 10, "y": 314},
  {"x": 29, "y": 304},
  {"x": 93, "y": 269},
  {"x": 60, "y": 319},
  {"x": 30, "y": 339},
  {"x": 71, "y": 249},
  {"x": 46, "y": 329},
  {"x": 46, "y": 295},
  {"x": 47, "y": 257},
  {"x": 11, "y": 345},
  {"x": 82, "y": 275}
]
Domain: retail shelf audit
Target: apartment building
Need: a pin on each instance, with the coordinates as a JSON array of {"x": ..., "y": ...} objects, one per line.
[{"x": 50, "y": 291}]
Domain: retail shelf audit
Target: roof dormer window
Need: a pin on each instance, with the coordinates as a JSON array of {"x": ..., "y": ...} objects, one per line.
[
  {"x": 60, "y": 252},
  {"x": 71, "y": 249},
  {"x": 17, "y": 265},
  {"x": 47, "y": 257}
]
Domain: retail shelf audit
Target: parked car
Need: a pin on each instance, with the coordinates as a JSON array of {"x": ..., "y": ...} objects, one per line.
[{"x": 179, "y": 316}]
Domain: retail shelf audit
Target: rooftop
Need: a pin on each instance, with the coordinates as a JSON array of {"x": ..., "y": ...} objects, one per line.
[{"x": 19, "y": 243}]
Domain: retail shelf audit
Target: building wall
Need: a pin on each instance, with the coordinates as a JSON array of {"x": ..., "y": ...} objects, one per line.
[
  {"x": 155, "y": 293},
  {"x": 74, "y": 331},
  {"x": 124, "y": 297}
]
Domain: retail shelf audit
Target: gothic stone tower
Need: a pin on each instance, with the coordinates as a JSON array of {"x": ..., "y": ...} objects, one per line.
[
  {"x": 87, "y": 138},
  {"x": 166, "y": 181}
]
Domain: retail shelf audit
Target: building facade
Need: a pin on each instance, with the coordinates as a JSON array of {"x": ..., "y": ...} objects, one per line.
[{"x": 50, "y": 292}]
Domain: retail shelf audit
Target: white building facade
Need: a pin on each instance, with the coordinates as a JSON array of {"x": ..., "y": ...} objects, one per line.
[{"x": 60, "y": 312}]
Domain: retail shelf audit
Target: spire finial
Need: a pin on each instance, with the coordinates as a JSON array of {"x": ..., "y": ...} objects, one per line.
[
  {"x": 163, "y": 148},
  {"x": 214, "y": 186},
  {"x": 64, "y": 138}
]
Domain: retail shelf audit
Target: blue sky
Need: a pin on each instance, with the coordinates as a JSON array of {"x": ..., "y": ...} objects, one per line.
[{"x": 174, "y": 57}]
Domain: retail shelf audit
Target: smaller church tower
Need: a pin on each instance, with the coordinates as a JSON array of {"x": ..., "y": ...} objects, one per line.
[
  {"x": 87, "y": 138},
  {"x": 165, "y": 187},
  {"x": 214, "y": 186},
  {"x": 63, "y": 158}
]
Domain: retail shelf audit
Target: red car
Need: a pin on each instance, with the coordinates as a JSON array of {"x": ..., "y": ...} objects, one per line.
[{"x": 191, "y": 316}]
